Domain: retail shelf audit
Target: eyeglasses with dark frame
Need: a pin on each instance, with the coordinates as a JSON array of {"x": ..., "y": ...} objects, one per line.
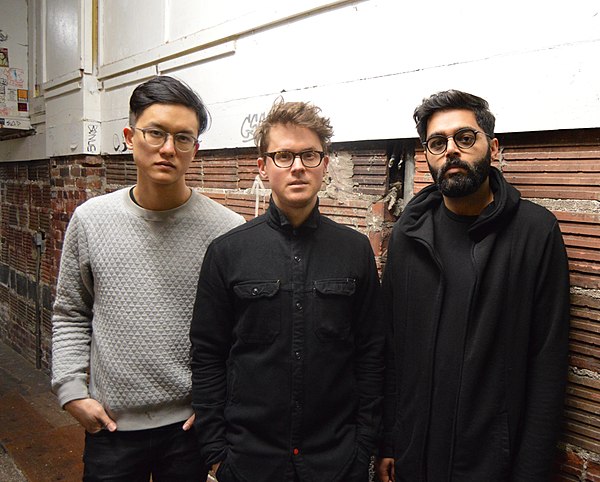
[
  {"x": 463, "y": 138},
  {"x": 157, "y": 137},
  {"x": 285, "y": 159}
]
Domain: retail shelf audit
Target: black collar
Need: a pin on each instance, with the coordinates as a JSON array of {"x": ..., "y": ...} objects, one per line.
[{"x": 279, "y": 220}]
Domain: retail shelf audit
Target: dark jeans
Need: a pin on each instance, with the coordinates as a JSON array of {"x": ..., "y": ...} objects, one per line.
[{"x": 168, "y": 453}]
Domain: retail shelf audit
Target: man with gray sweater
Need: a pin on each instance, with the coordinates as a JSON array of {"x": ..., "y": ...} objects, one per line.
[{"x": 128, "y": 276}]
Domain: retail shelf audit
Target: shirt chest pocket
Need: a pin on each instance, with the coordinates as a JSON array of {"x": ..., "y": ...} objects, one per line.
[
  {"x": 258, "y": 310},
  {"x": 333, "y": 306}
]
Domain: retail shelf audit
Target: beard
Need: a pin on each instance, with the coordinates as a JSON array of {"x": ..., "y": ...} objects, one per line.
[{"x": 462, "y": 184}]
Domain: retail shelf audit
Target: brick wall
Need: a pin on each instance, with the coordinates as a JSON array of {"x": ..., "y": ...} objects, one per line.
[
  {"x": 560, "y": 170},
  {"x": 25, "y": 207},
  {"x": 37, "y": 197},
  {"x": 40, "y": 197}
]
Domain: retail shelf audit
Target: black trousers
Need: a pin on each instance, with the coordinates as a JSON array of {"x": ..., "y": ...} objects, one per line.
[{"x": 168, "y": 454}]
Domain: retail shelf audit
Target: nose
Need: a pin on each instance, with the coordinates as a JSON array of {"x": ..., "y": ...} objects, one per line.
[
  {"x": 451, "y": 147},
  {"x": 169, "y": 146},
  {"x": 297, "y": 163}
]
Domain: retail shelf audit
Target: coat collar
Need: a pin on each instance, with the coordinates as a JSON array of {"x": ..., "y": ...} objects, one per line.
[{"x": 417, "y": 218}]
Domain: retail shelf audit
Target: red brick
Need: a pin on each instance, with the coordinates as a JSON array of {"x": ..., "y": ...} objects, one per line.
[
  {"x": 592, "y": 473},
  {"x": 375, "y": 237}
]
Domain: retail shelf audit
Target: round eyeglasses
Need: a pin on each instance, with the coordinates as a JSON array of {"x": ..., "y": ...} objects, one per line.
[
  {"x": 463, "y": 138},
  {"x": 157, "y": 137},
  {"x": 285, "y": 159}
]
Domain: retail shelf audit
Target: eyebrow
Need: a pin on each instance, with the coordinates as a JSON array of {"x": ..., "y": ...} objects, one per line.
[
  {"x": 440, "y": 133},
  {"x": 162, "y": 128},
  {"x": 299, "y": 151}
]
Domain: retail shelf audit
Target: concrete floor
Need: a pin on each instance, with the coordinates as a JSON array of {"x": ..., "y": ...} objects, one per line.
[
  {"x": 39, "y": 442},
  {"x": 9, "y": 472}
]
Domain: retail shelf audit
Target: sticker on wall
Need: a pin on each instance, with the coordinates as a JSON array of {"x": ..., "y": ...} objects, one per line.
[
  {"x": 3, "y": 57},
  {"x": 16, "y": 78},
  {"x": 22, "y": 95},
  {"x": 22, "y": 106}
]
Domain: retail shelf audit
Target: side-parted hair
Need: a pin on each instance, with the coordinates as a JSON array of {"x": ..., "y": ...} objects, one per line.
[
  {"x": 302, "y": 114},
  {"x": 450, "y": 100},
  {"x": 167, "y": 90}
]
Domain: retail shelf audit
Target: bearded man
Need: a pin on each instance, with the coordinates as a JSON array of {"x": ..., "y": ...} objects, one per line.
[{"x": 476, "y": 291}]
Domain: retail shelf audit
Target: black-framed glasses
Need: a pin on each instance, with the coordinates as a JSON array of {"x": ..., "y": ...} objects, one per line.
[
  {"x": 463, "y": 138},
  {"x": 157, "y": 137},
  {"x": 285, "y": 159}
]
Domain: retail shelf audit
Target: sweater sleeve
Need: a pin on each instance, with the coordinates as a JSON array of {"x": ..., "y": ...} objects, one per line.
[
  {"x": 72, "y": 317},
  {"x": 210, "y": 334},
  {"x": 547, "y": 366}
]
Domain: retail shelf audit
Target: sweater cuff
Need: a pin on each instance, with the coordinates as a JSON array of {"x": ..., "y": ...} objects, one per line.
[{"x": 74, "y": 389}]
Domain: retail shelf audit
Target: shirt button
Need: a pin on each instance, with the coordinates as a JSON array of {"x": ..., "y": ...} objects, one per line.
[
  {"x": 296, "y": 451},
  {"x": 254, "y": 291},
  {"x": 297, "y": 355},
  {"x": 297, "y": 259},
  {"x": 299, "y": 306}
]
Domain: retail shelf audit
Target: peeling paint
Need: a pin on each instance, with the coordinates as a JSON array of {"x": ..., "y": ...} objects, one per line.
[
  {"x": 340, "y": 172},
  {"x": 584, "y": 372},
  {"x": 572, "y": 205},
  {"x": 585, "y": 455},
  {"x": 585, "y": 292}
]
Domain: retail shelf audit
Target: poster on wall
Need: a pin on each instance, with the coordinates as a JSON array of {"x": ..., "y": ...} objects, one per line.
[
  {"x": 14, "y": 99},
  {"x": 4, "y": 57}
]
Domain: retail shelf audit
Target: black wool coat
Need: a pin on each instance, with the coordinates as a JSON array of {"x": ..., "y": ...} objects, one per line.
[{"x": 514, "y": 368}]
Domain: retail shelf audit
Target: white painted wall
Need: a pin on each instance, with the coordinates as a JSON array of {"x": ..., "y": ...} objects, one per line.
[
  {"x": 13, "y": 64},
  {"x": 367, "y": 63}
]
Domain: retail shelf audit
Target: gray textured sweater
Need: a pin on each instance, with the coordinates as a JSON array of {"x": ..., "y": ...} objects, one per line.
[{"x": 124, "y": 302}]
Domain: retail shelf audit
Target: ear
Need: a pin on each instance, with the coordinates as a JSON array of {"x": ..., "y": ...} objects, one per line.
[
  {"x": 262, "y": 168},
  {"x": 128, "y": 133},
  {"x": 494, "y": 148},
  {"x": 325, "y": 162}
]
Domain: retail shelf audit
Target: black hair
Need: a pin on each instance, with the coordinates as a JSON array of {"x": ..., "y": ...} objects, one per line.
[
  {"x": 454, "y": 99},
  {"x": 167, "y": 90}
]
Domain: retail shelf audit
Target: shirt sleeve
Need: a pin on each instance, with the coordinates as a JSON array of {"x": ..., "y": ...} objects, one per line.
[
  {"x": 210, "y": 335},
  {"x": 72, "y": 317},
  {"x": 369, "y": 342}
]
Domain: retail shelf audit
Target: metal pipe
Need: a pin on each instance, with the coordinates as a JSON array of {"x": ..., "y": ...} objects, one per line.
[{"x": 38, "y": 239}]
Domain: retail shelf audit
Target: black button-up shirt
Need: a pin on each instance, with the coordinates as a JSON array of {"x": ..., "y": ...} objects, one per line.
[{"x": 287, "y": 356}]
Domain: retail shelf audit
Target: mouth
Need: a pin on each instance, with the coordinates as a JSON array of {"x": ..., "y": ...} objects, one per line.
[
  {"x": 166, "y": 164},
  {"x": 453, "y": 170},
  {"x": 453, "y": 167}
]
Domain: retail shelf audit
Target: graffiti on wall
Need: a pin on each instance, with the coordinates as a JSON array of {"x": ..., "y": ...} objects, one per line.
[
  {"x": 249, "y": 124},
  {"x": 119, "y": 144},
  {"x": 92, "y": 137}
]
